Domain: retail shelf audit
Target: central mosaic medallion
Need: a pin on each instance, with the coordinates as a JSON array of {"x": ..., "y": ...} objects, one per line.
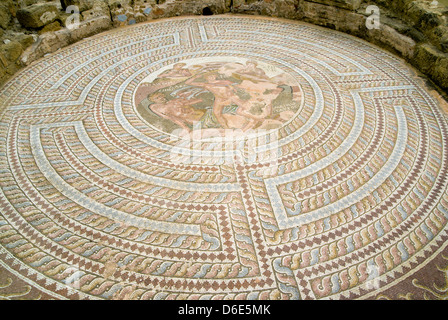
[{"x": 218, "y": 93}]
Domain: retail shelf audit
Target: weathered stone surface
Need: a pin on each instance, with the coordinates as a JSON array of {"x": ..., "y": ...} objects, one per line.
[
  {"x": 11, "y": 50},
  {"x": 12, "y": 68},
  {"x": 334, "y": 18},
  {"x": 122, "y": 11},
  {"x": 427, "y": 57},
  {"x": 420, "y": 15},
  {"x": 51, "y": 41},
  {"x": 432, "y": 62},
  {"x": 90, "y": 27},
  {"x": 15, "y": 5},
  {"x": 117, "y": 4},
  {"x": 238, "y": 3},
  {"x": 37, "y": 15},
  {"x": 25, "y": 40},
  {"x": 81, "y": 4},
  {"x": 405, "y": 24},
  {"x": 46, "y": 43},
  {"x": 63, "y": 16},
  {"x": 389, "y": 37},
  {"x": 440, "y": 73},
  {"x": 95, "y": 13},
  {"x": 279, "y": 8},
  {"x": 8, "y": 9},
  {"x": 395, "y": 23},
  {"x": 188, "y": 7},
  {"x": 3, "y": 61},
  {"x": 5, "y": 16},
  {"x": 2, "y": 73},
  {"x": 54, "y": 26},
  {"x": 345, "y": 4},
  {"x": 264, "y": 4},
  {"x": 439, "y": 37},
  {"x": 444, "y": 43}
]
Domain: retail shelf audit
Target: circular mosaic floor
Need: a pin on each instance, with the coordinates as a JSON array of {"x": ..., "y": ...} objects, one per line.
[{"x": 223, "y": 157}]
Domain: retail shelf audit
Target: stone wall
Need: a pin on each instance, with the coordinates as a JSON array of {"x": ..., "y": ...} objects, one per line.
[{"x": 414, "y": 30}]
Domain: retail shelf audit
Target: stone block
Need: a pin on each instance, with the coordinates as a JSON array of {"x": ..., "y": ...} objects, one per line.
[
  {"x": 237, "y": 3},
  {"x": 12, "y": 68},
  {"x": 5, "y": 16},
  {"x": 54, "y": 26},
  {"x": 421, "y": 16},
  {"x": 119, "y": 4},
  {"x": 440, "y": 72},
  {"x": 90, "y": 28},
  {"x": 37, "y": 15},
  {"x": 95, "y": 12},
  {"x": 191, "y": 7},
  {"x": 280, "y": 8},
  {"x": 11, "y": 50},
  {"x": 52, "y": 41},
  {"x": 25, "y": 40},
  {"x": 3, "y": 76},
  {"x": 390, "y": 38},
  {"x": 47, "y": 43},
  {"x": 439, "y": 37},
  {"x": 83, "y": 5},
  {"x": 344, "y": 4},
  {"x": 426, "y": 57},
  {"x": 334, "y": 18}
]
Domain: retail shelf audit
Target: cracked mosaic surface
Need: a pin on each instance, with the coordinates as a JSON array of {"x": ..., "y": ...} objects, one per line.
[{"x": 94, "y": 207}]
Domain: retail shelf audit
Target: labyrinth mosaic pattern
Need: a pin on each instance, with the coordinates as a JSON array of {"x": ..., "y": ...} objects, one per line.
[{"x": 93, "y": 206}]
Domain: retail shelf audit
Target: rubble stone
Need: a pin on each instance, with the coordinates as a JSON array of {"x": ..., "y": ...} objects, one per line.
[{"x": 37, "y": 15}]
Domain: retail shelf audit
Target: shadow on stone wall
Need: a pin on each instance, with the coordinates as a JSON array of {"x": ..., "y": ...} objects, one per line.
[{"x": 414, "y": 30}]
